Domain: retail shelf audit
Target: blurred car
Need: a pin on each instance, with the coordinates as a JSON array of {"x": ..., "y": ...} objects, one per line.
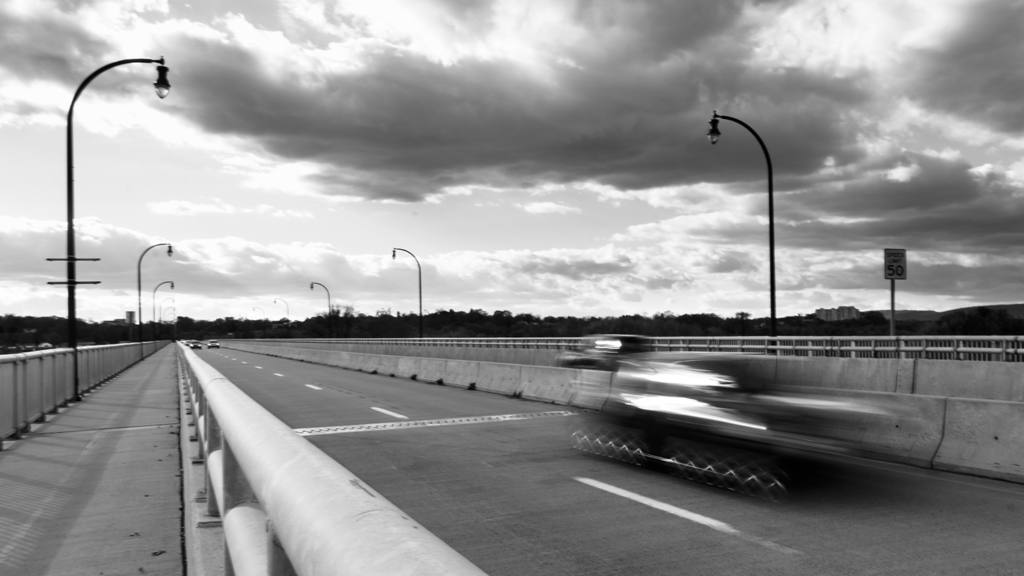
[
  {"x": 703, "y": 418},
  {"x": 213, "y": 344},
  {"x": 195, "y": 345},
  {"x": 606, "y": 351}
]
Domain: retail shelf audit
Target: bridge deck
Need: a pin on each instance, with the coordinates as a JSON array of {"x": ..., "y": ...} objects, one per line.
[{"x": 97, "y": 489}]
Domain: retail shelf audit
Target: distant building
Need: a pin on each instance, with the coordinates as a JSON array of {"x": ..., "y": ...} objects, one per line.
[{"x": 837, "y": 314}]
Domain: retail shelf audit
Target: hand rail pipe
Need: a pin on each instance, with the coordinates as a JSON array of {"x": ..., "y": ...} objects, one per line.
[{"x": 326, "y": 519}]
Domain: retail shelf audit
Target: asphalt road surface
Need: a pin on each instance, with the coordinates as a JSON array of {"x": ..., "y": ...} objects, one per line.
[{"x": 495, "y": 478}]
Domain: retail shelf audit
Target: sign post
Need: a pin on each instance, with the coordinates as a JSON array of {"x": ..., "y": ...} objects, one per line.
[{"x": 895, "y": 269}]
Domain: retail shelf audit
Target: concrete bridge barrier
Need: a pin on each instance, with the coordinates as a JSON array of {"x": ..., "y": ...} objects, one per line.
[
  {"x": 461, "y": 373},
  {"x": 556, "y": 385},
  {"x": 499, "y": 378},
  {"x": 408, "y": 367},
  {"x": 983, "y": 436},
  {"x": 432, "y": 370}
]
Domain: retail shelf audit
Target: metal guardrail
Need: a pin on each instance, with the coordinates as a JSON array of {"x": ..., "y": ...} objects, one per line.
[
  {"x": 34, "y": 384},
  {"x": 975, "y": 348},
  {"x": 288, "y": 508}
]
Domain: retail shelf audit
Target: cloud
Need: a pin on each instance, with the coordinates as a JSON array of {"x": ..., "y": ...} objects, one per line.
[
  {"x": 976, "y": 72},
  {"x": 549, "y": 208},
  {"x": 186, "y": 208}
]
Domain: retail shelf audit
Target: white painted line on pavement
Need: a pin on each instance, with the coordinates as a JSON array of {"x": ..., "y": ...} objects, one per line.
[
  {"x": 313, "y": 387},
  {"x": 389, "y": 413},
  {"x": 276, "y": 374},
  {"x": 258, "y": 367},
  {"x": 691, "y": 516},
  {"x": 244, "y": 362},
  {"x": 428, "y": 423}
]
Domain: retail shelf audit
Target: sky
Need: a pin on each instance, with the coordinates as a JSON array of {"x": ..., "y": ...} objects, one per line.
[{"x": 546, "y": 157}]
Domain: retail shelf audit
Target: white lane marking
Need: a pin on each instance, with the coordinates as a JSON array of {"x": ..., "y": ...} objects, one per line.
[
  {"x": 258, "y": 367},
  {"x": 276, "y": 374},
  {"x": 244, "y": 362},
  {"x": 426, "y": 423},
  {"x": 313, "y": 387},
  {"x": 691, "y": 516},
  {"x": 389, "y": 413}
]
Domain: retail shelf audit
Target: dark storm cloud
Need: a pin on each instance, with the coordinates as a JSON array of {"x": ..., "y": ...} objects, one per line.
[
  {"x": 987, "y": 282},
  {"x": 576, "y": 269},
  {"x": 631, "y": 112},
  {"x": 51, "y": 47},
  {"x": 943, "y": 206},
  {"x": 978, "y": 74}
]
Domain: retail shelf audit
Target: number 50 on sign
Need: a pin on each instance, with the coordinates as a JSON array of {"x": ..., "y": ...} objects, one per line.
[{"x": 895, "y": 264}]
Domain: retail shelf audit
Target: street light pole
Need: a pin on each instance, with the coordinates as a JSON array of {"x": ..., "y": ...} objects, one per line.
[
  {"x": 163, "y": 87},
  {"x": 713, "y": 135},
  {"x": 173, "y": 309},
  {"x": 329, "y": 310},
  {"x": 138, "y": 277},
  {"x": 418, "y": 267},
  {"x": 162, "y": 320},
  {"x": 171, "y": 282},
  {"x": 287, "y": 312}
]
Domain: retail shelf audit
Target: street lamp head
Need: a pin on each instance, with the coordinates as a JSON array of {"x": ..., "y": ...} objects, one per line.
[
  {"x": 172, "y": 285},
  {"x": 163, "y": 87},
  {"x": 713, "y": 133},
  {"x": 310, "y": 285},
  {"x": 393, "y": 250},
  {"x": 170, "y": 250}
]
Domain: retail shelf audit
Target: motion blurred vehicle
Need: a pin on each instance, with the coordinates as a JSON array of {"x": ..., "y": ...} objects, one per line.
[
  {"x": 606, "y": 351},
  {"x": 195, "y": 345},
  {"x": 213, "y": 344},
  {"x": 702, "y": 416}
]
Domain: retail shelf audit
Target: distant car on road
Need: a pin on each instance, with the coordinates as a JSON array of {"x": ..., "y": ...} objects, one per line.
[
  {"x": 195, "y": 345},
  {"x": 213, "y": 344}
]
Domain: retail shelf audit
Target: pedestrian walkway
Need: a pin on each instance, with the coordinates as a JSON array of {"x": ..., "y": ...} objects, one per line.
[{"x": 96, "y": 490}]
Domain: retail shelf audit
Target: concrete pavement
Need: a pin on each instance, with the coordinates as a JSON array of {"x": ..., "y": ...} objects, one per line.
[{"x": 96, "y": 490}]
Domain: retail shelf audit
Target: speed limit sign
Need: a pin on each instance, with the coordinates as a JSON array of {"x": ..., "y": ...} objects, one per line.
[{"x": 895, "y": 264}]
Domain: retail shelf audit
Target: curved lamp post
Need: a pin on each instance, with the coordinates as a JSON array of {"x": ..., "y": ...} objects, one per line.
[
  {"x": 155, "y": 319},
  {"x": 329, "y": 311},
  {"x": 162, "y": 310},
  {"x": 287, "y": 313},
  {"x": 138, "y": 277},
  {"x": 713, "y": 136},
  {"x": 175, "y": 321},
  {"x": 163, "y": 87},
  {"x": 393, "y": 252},
  {"x": 255, "y": 308}
]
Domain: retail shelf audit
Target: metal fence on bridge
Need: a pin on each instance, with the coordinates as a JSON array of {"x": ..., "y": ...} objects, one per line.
[
  {"x": 976, "y": 348},
  {"x": 34, "y": 384}
]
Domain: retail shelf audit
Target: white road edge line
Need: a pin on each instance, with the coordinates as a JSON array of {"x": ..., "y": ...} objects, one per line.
[
  {"x": 389, "y": 413},
  {"x": 276, "y": 374},
  {"x": 313, "y": 387},
  {"x": 686, "y": 514}
]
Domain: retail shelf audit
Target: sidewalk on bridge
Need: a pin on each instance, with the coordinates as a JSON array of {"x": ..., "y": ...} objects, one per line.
[{"x": 96, "y": 490}]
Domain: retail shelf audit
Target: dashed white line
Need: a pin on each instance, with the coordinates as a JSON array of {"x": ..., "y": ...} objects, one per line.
[
  {"x": 389, "y": 413},
  {"x": 276, "y": 374},
  {"x": 313, "y": 387},
  {"x": 691, "y": 516},
  {"x": 244, "y": 362},
  {"x": 258, "y": 367}
]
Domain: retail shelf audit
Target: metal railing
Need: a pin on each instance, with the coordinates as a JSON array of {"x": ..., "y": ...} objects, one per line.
[
  {"x": 288, "y": 508},
  {"x": 34, "y": 384},
  {"x": 976, "y": 348}
]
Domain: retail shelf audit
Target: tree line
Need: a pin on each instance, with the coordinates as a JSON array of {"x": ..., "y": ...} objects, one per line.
[{"x": 19, "y": 333}]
